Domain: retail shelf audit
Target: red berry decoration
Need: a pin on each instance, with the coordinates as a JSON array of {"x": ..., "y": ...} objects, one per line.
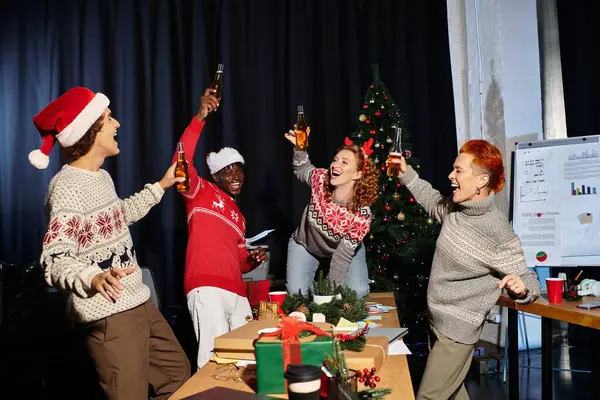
[
  {"x": 385, "y": 97},
  {"x": 388, "y": 208},
  {"x": 378, "y": 113},
  {"x": 371, "y": 87},
  {"x": 365, "y": 371},
  {"x": 361, "y": 379},
  {"x": 373, "y": 371},
  {"x": 373, "y": 132},
  {"x": 365, "y": 106},
  {"x": 377, "y": 379},
  {"x": 383, "y": 167},
  {"x": 372, "y": 385},
  {"x": 411, "y": 199},
  {"x": 368, "y": 121},
  {"x": 398, "y": 185}
]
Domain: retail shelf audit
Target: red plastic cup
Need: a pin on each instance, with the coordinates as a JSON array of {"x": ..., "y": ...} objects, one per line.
[
  {"x": 555, "y": 290},
  {"x": 278, "y": 297}
]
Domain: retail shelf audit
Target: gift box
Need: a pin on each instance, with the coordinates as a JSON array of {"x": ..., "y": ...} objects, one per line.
[
  {"x": 276, "y": 350},
  {"x": 373, "y": 354},
  {"x": 239, "y": 343}
]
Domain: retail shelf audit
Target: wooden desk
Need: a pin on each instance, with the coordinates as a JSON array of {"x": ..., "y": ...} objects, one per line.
[
  {"x": 566, "y": 311},
  {"x": 394, "y": 372}
]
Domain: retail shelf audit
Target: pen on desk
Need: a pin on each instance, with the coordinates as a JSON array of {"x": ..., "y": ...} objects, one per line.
[{"x": 578, "y": 275}]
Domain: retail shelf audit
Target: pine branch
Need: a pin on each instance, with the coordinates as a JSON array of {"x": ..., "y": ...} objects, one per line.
[{"x": 378, "y": 393}]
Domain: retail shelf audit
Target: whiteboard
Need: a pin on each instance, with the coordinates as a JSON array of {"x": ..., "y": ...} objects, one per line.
[{"x": 556, "y": 201}]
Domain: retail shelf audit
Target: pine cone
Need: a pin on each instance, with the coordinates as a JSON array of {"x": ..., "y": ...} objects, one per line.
[{"x": 303, "y": 309}]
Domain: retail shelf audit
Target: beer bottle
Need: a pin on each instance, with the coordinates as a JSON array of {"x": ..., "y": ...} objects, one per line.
[
  {"x": 217, "y": 82},
  {"x": 181, "y": 170},
  {"x": 301, "y": 136},
  {"x": 395, "y": 154}
]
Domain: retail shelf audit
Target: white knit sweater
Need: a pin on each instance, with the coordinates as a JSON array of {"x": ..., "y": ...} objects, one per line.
[
  {"x": 475, "y": 249},
  {"x": 87, "y": 234}
]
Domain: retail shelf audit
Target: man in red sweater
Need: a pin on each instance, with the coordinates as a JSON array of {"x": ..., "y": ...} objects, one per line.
[{"x": 216, "y": 253}]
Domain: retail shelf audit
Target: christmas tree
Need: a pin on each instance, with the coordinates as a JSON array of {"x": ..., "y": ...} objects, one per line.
[{"x": 401, "y": 242}]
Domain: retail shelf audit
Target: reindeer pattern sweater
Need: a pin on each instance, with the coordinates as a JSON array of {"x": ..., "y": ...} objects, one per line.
[
  {"x": 88, "y": 234},
  {"x": 475, "y": 249},
  {"x": 328, "y": 229},
  {"x": 216, "y": 252}
]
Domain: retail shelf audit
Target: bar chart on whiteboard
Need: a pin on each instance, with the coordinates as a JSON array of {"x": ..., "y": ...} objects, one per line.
[{"x": 556, "y": 210}]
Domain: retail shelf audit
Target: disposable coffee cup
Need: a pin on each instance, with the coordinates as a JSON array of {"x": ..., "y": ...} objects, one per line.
[{"x": 304, "y": 382}]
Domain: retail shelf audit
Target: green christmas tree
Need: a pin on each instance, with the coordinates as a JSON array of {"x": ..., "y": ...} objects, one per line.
[{"x": 401, "y": 242}]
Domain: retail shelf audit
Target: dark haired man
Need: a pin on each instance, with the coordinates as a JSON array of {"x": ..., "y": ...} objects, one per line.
[
  {"x": 88, "y": 252},
  {"x": 216, "y": 253}
]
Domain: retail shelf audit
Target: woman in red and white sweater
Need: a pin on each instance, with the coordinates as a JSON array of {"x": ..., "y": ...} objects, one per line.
[
  {"x": 336, "y": 219},
  {"x": 216, "y": 253}
]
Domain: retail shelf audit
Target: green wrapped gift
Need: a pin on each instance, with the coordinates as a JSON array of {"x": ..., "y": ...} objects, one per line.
[{"x": 273, "y": 348}]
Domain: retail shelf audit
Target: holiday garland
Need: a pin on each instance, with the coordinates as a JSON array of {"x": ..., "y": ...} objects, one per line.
[{"x": 349, "y": 306}]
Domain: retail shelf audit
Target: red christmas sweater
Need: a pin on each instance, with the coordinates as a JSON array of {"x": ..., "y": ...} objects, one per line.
[{"x": 216, "y": 252}]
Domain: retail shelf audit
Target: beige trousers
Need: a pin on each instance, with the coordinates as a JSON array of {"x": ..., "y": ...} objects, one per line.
[
  {"x": 136, "y": 349},
  {"x": 447, "y": 367}
]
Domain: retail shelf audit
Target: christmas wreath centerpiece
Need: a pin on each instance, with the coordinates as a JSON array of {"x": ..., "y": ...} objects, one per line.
[{"x": 344, "y": 303}]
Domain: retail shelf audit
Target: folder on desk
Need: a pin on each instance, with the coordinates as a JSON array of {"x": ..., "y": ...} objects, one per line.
[{"x": 391, "y": 333}]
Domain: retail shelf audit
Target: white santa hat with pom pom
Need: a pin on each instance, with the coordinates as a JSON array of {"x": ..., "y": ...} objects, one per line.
[
  {"x": 224, "y": 157},
  {"x": 66, "y": 119}
]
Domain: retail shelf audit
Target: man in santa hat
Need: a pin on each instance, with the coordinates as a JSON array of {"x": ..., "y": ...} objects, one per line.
[
  {"x": 216, "y": 253},
  {"x": 88, "y": 251}
]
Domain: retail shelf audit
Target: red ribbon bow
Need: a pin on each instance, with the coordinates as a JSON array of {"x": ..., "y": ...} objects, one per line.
[
  {"x": 366, "y": 149},
  {"x": 289, "y": 329}
]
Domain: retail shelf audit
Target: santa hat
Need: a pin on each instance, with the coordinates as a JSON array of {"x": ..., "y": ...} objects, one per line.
[
  {"x": 219, "y": 160},
  {"x": 66, "y": 119}
]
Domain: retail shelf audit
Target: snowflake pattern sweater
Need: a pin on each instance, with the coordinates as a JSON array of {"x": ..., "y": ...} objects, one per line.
[
  {"x": 88, "y": 234},
  {"x": 216, "y": 251},
  {"x": 475, "y": 249},
  {"x": 328, "y": 229}
]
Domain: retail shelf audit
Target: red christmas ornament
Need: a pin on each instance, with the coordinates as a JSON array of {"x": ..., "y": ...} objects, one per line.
[
  {"x": 411, "y": 200},
  {"x": 378, "y": 113},
  {"x": 398, "y": 185},
  {"x": 371, "y": 87},
  {"x": 368, "y": 121},
  {"x": 383, "y": 167},
  {"x": 365, "y": 106},
  {"x": 385, "y": 97},
  {"x": 373, "y": 132},
  {"x": 388, "y": 208},
  {"x": 384, "y": 257}
]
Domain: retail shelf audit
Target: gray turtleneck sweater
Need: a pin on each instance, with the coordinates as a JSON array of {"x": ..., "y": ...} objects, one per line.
[{"x": 475, "y": 249}]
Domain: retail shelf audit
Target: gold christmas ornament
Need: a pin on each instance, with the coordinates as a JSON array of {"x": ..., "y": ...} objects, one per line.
[
  {"x": 303, "y": 309},
  {"x": 371, "y": 236},
  {"x": 401, "y": 216},
  {"x": 376, "y": 160},
  {"x": 429, "y": 221},
  {"x": 362, "y": 118},
  {"x": 396, "y": 196}
]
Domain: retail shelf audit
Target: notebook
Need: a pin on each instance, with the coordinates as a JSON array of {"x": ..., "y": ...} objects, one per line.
[{"x": 391, "y": 333}]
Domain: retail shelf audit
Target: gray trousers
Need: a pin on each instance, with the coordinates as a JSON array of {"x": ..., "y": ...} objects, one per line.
[{"x": 447, "y": 367}]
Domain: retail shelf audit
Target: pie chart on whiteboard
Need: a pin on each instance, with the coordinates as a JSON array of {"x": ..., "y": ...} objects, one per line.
[{"x": 541, "y": 256}]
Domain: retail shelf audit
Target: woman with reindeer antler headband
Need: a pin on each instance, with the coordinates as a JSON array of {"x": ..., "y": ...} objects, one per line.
[{"x": 336, "y": 219}]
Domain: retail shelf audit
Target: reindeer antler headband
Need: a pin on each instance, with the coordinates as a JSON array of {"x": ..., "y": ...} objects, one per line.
[{"x": 365, "y": 148}]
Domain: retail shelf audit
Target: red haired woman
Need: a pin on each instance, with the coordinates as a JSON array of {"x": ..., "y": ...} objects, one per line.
[
  {"x": 477, "y": 255},
  {"x": 336, "y": 219}
]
